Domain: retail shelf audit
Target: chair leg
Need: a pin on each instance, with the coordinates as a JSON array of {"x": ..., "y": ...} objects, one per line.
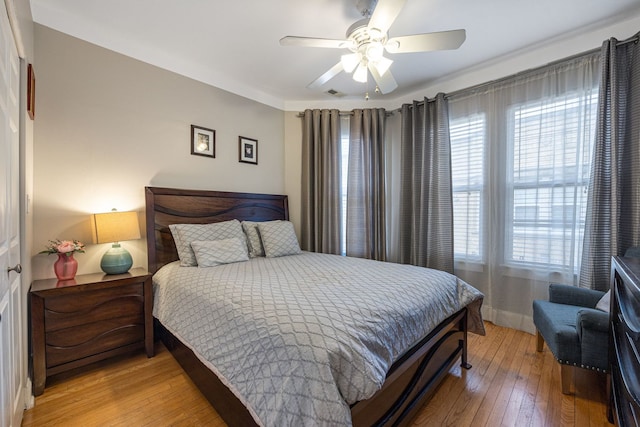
[
  {"x": 566, "y": 374},
  {"x": 539, "y": 341}
]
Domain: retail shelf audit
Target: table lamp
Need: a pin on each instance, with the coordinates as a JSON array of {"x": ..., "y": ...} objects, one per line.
[{"x": 114, "y": 227}]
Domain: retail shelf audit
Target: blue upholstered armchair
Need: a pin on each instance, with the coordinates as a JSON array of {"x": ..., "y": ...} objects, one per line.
[{"x": 575, "y": 331}]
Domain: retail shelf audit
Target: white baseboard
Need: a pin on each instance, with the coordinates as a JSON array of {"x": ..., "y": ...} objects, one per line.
[{"x": 509, "y": 320}]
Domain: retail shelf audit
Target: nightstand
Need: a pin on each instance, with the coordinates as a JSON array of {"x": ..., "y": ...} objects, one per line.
[{"x": 89, "y": 318}]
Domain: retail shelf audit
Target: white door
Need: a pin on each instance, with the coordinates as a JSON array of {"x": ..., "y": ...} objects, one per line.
[{"x": 12, "y": 331}]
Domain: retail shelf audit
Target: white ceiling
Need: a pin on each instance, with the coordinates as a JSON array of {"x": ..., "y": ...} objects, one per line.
[{"x": 234, "y": 45}]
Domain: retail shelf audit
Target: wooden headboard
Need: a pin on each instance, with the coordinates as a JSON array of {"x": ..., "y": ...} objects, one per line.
[{"x": 167, "y": 206}]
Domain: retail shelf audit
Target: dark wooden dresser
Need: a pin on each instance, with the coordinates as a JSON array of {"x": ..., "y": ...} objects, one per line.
[
  {"x": 624, "y": 349},
  {"x": 89, "y": 318}
]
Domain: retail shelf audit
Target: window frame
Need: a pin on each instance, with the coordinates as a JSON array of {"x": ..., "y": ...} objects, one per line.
[{"x": 578, "y": 184}]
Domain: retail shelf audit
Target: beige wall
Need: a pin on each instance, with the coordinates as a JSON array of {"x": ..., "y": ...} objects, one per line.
[{"x": 107, "y": 126}]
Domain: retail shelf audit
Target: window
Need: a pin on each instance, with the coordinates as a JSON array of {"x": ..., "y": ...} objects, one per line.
[
  {"x": 533, "y": 135},
  {"x": 467, "y": 137},
  {"x": 548, "y": 174}
]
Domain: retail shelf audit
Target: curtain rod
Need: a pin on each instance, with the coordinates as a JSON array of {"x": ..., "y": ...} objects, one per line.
[
  {"x": 348, "y": 113},
  {"x": 633, "y": 39},
  {"x": 525, "y": 72},
  {"x": 511, "y": 76},
  {"x": 342, "y": 113}
]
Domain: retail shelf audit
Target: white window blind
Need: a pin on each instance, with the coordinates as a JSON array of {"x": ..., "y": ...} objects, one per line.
[
  {"x": 551, "y": 143},
  {"x": 467, "y": 136}
]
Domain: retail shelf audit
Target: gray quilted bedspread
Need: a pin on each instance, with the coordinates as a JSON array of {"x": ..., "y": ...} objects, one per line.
[{"x": 299, "y": 338}]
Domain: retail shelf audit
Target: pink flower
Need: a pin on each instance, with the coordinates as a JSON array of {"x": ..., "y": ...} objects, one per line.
[
  {"x": 66, "y": 246},
  {"x": 63, "y": 247}
]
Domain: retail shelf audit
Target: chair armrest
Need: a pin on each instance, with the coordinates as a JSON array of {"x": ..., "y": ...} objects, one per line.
[
  {"x": 572, "y": 295},
  {"x": 590, "y": 319},
  {"x": 593, "y": 331}
]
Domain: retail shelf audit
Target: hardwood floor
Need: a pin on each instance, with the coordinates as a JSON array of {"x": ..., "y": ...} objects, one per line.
[{"x": 510, "y": 384}]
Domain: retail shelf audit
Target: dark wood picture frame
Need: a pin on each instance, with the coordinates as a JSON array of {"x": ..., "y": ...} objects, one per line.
[
  {"x": 31, "y": 92},
  {"x": 203, "y": 141},
  {"x": 247, "y": 150}
]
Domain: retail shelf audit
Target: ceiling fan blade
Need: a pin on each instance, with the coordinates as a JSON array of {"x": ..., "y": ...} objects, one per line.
[
  {"x": 386, "y": 83},
  {"x": 385, "y": 13},
  {"x": 314, "y": 42},
  {"x": 443, "y": 40},
  {"x": 333, "y": 71}
]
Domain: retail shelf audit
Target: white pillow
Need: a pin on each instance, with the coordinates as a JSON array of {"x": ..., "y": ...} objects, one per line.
[
  {"x": 604, "y": 302},
  {"x": 254, "y": 241},
  {"x": 217, "y": 252},
  {"x": 278, "y": 238},
  {"x": 184, "y": 234}
]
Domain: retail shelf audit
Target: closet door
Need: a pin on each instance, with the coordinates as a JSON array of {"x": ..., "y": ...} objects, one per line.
[{"x": 12, "y": 330}]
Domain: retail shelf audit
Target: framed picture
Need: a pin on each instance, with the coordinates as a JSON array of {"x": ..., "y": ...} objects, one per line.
[
  {"x": 248, "y": 149},
  {"x": 31, "y": 92},
  {"x": 203, "y": 141}
]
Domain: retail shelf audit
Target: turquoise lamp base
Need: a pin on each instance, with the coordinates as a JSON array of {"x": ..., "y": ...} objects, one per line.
[{"x": 116, "y": 260}]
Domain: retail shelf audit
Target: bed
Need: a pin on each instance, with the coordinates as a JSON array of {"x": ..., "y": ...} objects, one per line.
[{"x": 412, "y": 377}]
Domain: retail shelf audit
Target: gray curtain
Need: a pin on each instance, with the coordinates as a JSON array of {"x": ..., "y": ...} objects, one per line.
[
  {"x": 321, "y": 181},
  {"x": 366, "y": 231},
  {"x": 613, "y": 206},
  {"x": 426, "y": 207}
]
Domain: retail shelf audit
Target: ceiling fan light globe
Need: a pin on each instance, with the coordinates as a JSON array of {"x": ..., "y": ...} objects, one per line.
[
  {"x": 374, "y": 51},
  {"x": 392, "y": 46},
  {"x": 360, "y": 75},
  {"x": 350, "y": 61},
  {"x": 382, "y": 65}
]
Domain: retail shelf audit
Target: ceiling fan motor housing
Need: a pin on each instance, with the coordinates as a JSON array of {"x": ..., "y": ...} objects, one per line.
[{"x": 368, "y": 42}]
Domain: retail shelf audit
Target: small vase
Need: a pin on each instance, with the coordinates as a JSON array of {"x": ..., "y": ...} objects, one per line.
[{"x": 65, "y": 267}]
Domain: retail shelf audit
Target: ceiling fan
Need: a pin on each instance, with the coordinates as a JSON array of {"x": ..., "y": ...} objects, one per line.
[{"x": 367, "y": 40}]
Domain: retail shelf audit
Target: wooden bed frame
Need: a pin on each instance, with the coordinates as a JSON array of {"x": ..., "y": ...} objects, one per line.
[{"x": 411, "y": 380}]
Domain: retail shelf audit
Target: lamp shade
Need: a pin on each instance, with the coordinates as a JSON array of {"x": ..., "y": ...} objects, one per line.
[
  {"x": 113, "y": 227},
  {"x": 116, "y": 226}
]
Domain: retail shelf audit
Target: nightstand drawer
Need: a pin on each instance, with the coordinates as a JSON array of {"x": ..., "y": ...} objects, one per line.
[
  {"x": 66, "y": 311},
  {"x": 71, "y": 344}
]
